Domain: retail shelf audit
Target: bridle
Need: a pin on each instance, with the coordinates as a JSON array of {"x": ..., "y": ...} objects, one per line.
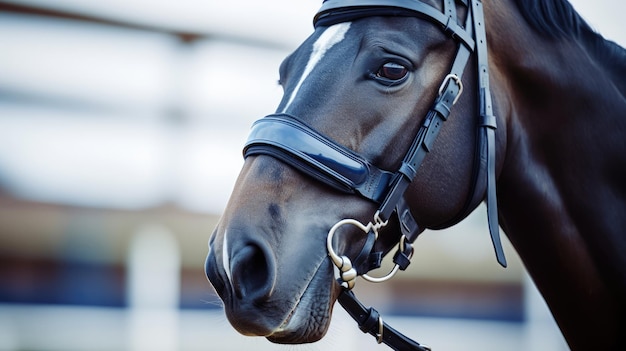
[{"x": 290, "y": 140}]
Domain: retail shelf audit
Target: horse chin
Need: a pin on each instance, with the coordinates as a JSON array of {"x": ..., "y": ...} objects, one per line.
[{"x": 309, "y": 320}]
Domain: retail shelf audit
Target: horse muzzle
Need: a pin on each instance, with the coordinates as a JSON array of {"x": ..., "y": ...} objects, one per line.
[
  {"x": 290, "y": 308},
  {"x": 244, "y": 278}
]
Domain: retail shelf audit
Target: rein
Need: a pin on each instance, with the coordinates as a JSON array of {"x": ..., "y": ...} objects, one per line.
[{"x": 292, "y": 141}]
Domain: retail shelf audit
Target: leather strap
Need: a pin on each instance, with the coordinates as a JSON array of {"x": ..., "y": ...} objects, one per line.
[
  {"x": 290, "y": 140},
  {"x": 368, "y": 319},
  {"x": 488, "y": 127},
  {"x": 368, "y": 259},
  {"x": 428, "y": 132},
  {"x": 337, "y": 11},
  {"x": 369, "y": 322}
]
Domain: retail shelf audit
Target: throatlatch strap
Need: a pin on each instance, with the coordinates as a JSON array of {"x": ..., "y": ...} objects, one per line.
[{"x": 488, "y": 124}]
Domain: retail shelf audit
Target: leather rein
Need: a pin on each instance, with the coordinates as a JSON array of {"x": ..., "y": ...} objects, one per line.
[{"x": 292, "y": 141}]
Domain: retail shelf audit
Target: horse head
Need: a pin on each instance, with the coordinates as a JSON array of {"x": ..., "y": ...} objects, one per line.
[{"x": 358, "y": 90}]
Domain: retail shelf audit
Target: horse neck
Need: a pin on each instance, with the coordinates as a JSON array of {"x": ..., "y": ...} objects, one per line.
[{"x": 561, "y": 188}]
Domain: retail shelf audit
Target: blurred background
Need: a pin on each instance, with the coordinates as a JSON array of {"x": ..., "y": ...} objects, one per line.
[{"x": 121, "y": 127}]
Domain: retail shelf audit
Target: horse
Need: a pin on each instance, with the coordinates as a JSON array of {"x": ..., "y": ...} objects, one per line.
[{"x": 534, "y": 105}]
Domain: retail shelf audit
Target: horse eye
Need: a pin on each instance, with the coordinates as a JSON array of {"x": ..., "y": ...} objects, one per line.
[{"x": 392, "y": 71}]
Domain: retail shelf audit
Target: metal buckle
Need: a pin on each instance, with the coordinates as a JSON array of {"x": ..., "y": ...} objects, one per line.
[
  {"x": 379, "y": 335},
  {"x": 458, "y": 82}
]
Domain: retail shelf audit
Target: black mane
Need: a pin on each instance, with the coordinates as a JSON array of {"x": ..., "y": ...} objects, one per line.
[
  {"x": 553, "y": 18},
  {"x": 558, "y": 19}
]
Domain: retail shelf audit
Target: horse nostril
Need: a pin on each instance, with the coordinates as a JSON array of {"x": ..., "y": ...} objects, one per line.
[{"x": 253, "y": 273}]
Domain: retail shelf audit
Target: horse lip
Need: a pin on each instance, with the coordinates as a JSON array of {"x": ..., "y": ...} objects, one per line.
[
  {"x": 283, "y": 327},
  {"x": 287, "y": 333}
]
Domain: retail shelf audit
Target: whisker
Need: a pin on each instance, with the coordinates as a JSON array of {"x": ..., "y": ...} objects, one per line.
[{"x": 213, "y": 302}]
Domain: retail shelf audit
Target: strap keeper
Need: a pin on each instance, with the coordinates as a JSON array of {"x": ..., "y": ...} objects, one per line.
[
  {"x": 408, "y": 171},
  {"x": 408, "y": 226},
  {"x": 451, "y": 28},
  {"x": 442, "y": 109},
  {"x": 488, "y": 121},
  {"x": 371, "y": 323},
  {"x": 403, "y": 257}
]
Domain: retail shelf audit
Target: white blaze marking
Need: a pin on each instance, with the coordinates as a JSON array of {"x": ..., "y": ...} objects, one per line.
[
  {"x": 328, "y": 39},
  {"x": 225, "y": 259}
]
